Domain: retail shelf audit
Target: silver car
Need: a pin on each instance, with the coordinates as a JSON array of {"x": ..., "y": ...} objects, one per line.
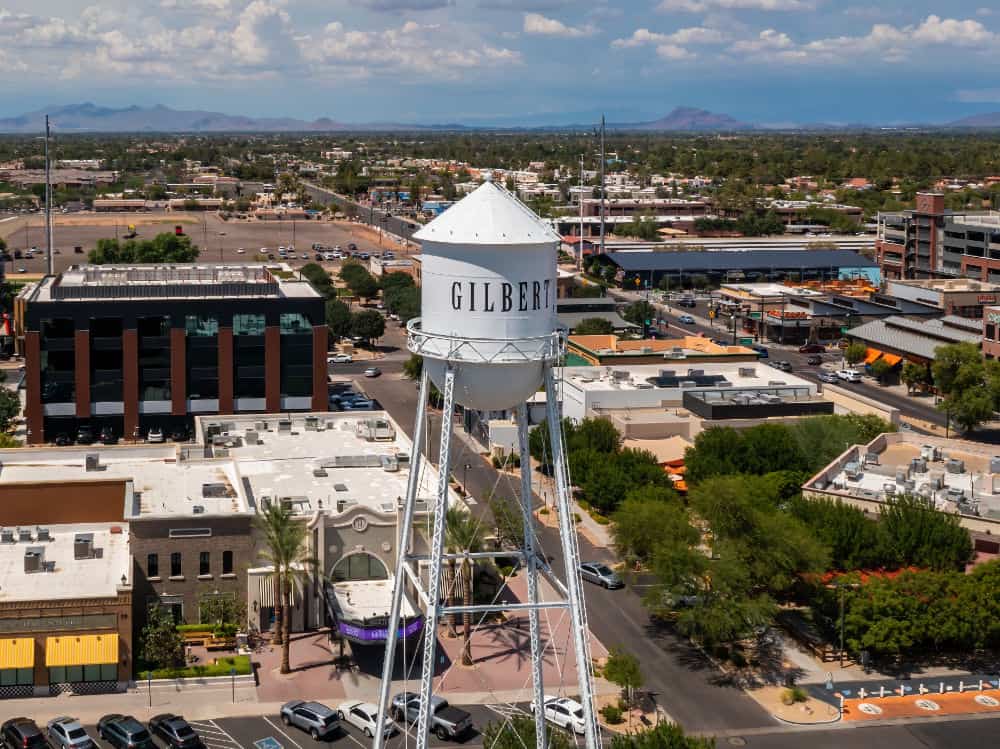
[
  {"x": 315, "y": 718},
  {"x": 601, "y": 574},
  {"x": 67, "y": 733}
]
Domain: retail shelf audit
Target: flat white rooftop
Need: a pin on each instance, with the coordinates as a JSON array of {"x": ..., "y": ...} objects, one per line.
[
  {"x": 366, "y": 599},
  {"x": 685, "y": 376},
  {"x": 62, "y": 576}
]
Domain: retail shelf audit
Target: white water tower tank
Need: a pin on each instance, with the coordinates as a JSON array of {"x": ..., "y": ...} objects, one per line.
[{"x": 488, "y": 298}]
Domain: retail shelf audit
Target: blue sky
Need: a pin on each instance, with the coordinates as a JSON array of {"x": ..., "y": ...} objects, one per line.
[{"x": 508, "y": 61}]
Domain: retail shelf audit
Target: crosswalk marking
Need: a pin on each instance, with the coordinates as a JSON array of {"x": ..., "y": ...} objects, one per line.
[{"x": 214, "y": 736}]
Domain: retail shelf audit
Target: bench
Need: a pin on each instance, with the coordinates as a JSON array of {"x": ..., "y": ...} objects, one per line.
[{"x": 196, "y": 638}]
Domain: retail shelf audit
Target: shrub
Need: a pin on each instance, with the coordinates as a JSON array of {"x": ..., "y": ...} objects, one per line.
[
  {"x": 576, "y": 517},
  {"x": 600, "y": 519},
  {"x": 793, "y": 694},
  {"x": 584, "y": 505},
  {"x": 543, "y": 511},
  {"x": 194, "y": 627},
  {"x": 612, "y": 714}
]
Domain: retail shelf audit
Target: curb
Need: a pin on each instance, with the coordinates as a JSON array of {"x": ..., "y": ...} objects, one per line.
[{"x": 798, "y": 723}]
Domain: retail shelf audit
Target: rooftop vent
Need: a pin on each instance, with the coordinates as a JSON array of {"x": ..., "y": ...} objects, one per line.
[
  {"x": 198, "y": 510},
  {"x": 33, "y": 557},
  {"x": 284, "y": 425},
  {"x": 251, "y": 437},
  {"x": 7, "y": 536},
  {"x": 954, "y": 465},
  {"x": 43, "y": 534},
  {"x": 93, "y": 462},
  {"x": 24, "y": 534},
  {"x": 83, "y": 546}
]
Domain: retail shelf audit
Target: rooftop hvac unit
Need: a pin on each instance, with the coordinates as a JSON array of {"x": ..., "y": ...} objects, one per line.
[
  {"x": 871, "y": 459},
  {"x": 340, "y": 487},
  {"x": 212, "y": 429},
  {"x": 902, "y": 474},
  {"x": 646, "y": 350},
  {"x": 83, "y": 546},
  {"x": 7, "y": 536},
  {"x": 696, "y": 373},
  {"x": 688, "y": 384},
  {"x": 747, "y": 372},
  {"x": 284, "y": 425},
  {"x": 92, "y": 462},
  {"x": 343, "y": 504},
  {"x": 389, "y": 463},
  {"x": 918, "y": 465},
  {"x": 776, "y": 383},
  {"x": 668, "y": 373},
  {"x": 954, "y": 465},
  {"x": 260, "y": 426},
  {"x": 770, "y": 398},
  {"x": 995, "y": 464},
  {"x": 619, "y": 374},
  {"x": 889, "y": 489},
  {"x": 24, "y": 535},
  {"x": 198, "y": 510},
  {"x": 320, "y": 473},
  {"x": 43, "y": 534},
  {"x": 251, "y": 437},
  {"x": 909, "y": 485},
  {"x": 927, "y": 451},
  {"x": 935, "y": 480},
  {"x": 643, "y": 386},
  {"x": 33, "y": 557},
  {"x": 675, "y": 353},
  {"x": 853, "y": 471},
  {"x": 312, "y": 423}
]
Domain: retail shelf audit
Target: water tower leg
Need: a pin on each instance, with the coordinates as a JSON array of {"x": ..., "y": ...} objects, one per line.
[
  {"x": 402, "y": 554},
  {"x": 437, "y": 551},
  {"x": 531, "y": 566},
  {"x": 571, "y": 555}
]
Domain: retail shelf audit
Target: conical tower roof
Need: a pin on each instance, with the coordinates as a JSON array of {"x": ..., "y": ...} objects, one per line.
[{"x": 489, "y": 215}]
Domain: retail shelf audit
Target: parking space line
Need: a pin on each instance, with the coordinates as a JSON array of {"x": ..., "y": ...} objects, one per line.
[
  {"x": 210, "y": 726},
  {"x": 275, "y": 727}
]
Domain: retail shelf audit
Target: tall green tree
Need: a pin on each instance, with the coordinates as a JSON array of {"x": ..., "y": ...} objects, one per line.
[
  {"x": 855, "y": 353},
  {"x": 638, "y": 313},
  {"x": 338, "y": 318},
  {"x": 368, "y": 324},
  {"x": 463, "y": 535},
  {"x": 162, "y": 645}
]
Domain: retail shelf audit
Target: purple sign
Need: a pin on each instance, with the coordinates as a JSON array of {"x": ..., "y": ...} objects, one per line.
[{"x": 375, "y": 634}]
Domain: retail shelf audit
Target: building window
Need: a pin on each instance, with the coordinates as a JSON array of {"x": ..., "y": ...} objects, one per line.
[
  {"x": 205, "y": 563},
  {"x": 227, "y": 563},
  {"x": 75, "y": 674},
  {"x": 359, "y": 566},
  {"x": 10, "y": 677},
  {"x": 200, "y": 326},
  {"x": 991, "y": 332},
  {"x": 244, "y": 324},
  {"x": 175, "y": 564},
  {"x": 152, "y": 565}
]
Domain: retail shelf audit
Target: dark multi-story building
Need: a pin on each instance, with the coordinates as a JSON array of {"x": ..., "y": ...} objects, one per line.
[{"x": 133, "y": 348}]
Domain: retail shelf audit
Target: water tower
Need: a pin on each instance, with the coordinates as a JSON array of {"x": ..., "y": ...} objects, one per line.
[{"x": 489, "y": 340}]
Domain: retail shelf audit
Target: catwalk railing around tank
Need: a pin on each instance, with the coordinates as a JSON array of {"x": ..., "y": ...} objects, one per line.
[{"x": 543, "y": 348}]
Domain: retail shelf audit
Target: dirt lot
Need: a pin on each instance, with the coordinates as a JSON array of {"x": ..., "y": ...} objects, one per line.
[{"x": 219, "y": 240}]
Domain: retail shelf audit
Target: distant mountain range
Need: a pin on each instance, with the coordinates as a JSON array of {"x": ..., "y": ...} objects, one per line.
[{"x": 90, "y": 118}]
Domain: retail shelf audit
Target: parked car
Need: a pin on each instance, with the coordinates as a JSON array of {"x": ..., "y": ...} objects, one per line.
[
  {"x": 784, "y": 366},
  {"x": 364, "y": 717},
  {"x": 761, "y": 352},
  {"x": 22, "y": 733},
  {"x": 124, "y": 732},
  {"x": 155, "y": 434},
  {"x": 828, "y": 377},
  {"x": 447, "y": 722},
  {"x": 107, "y": 436},
  {"x": 812, "y": 348},
  {"x": 174, "y": 731},
  {"x": 314, "y": 718},
  {"x": 563, "y": 712},
  {"x": 687, "y": 302},
  {"x": 67, "y": 733},
  {"x": 601, "y": 574},
  {"x": 814, "y": 360},
  {"x": 339, "y": 359},
  {"x": 357, "y": 404},
  {"x": 849, "y": 375},
  {"x": 685, "y": 319},
  {"x": 351, "y": 247},
  {"x": 180, "y": 434},
  {"x": 62, "y": 439},
  {"x": 240, "y": 251},
  {"x": 373, "y": 372},
  {"x": 85, "y": 435}
]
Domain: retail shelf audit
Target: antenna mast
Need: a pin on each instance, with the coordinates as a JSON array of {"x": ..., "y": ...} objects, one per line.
[{"x": 48, "y": 203}]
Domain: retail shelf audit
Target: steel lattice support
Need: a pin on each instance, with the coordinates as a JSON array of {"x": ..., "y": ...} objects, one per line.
[
  {"x": 437, "y": 551},
  {"x": 402, "y": 549},
  {"x": 531, "y": 565},
  {"x": 571, "y": 556}
]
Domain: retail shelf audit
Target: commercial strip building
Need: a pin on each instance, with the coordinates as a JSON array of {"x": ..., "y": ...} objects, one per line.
[
  {"x": 964, "y": 297},
  {"x": 610, "y": 350},
  {"x": 652, "y": 267},
  {"x": 90, "y": 538},
  {"x": 957, "y": 476},
  {"x": 136, "y": 347},
  {"x": 571, "y": 312},
  {"x": 896, "y": 339}
]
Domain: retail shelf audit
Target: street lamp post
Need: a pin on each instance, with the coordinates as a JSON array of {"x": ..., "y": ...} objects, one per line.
[
  {"x": 733, "y": 318},
  {"x": 465, "y": 477}
]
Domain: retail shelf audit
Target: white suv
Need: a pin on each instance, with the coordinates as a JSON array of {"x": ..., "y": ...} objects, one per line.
[{"x": 849, "y": 375}]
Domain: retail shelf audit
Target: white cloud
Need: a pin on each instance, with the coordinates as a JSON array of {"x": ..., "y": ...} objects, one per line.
[
  {"x": 536, "y": 23},
  {"x": 767, "y": 40},
  {"x": 673, "y": 52},
  {"x": 703, "y": 6},
  {"x": 397, "y": 5},
  {"x": 984, "y": 12},
  {"x": 212, "y": 6},
  {"x": 691, "y": 35},
  {"x": 967, "y": 33}
]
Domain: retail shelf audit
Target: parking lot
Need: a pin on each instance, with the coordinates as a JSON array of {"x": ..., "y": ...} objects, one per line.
[{"x": 268, "y": 732}]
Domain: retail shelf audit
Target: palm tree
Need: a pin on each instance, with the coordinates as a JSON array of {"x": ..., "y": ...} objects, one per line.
[
  {"x": 463, "y": 535},
  {"x": 297, "y": 568},
  {"x": 272, "y": 524}
]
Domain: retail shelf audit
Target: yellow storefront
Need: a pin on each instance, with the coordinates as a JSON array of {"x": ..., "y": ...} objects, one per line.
[
  {"x": 74, "y": 659},
  {"x": 17, "y": 662}
]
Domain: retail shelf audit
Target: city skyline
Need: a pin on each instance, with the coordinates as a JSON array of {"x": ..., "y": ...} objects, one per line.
[{"x": 770, "y": 62}]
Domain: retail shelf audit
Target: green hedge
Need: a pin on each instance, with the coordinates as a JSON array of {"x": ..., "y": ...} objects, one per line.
[
  {"x": 195, "y": 628},
  {"x": 240, "y": 662}
]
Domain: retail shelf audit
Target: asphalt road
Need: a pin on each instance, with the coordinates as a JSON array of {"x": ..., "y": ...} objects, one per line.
[{"x": 400, "y": 226}]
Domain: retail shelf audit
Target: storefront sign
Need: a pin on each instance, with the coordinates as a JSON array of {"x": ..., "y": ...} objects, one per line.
[
  {"x": 986, "y": 299},
  {"x": 377, "y": 634}
]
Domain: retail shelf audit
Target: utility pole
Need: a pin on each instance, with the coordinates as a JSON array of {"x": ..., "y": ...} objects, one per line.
[
  {"x": 48, "y": 203},
  {"x": 603, "y": 192},
  {"x": 579, "y": 258}
]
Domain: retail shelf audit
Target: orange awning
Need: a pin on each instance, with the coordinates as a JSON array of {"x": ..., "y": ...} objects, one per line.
[
  {"x": 891, "y": 359},
  {"x": 871, "y": 355}
]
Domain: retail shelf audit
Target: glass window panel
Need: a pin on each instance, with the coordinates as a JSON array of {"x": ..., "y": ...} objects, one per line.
[
  {"x": 57, "y": 675},
  {"x": 248, "y": 325},
  {"x": 25, "y": 676},
  {"x": 74, "y": 673},
  {"x": 8, "y": 677},
  {"x": 92, "y": 672},
  {"x": 201, "y": 326},
  {"x": 109, "y": 672}
]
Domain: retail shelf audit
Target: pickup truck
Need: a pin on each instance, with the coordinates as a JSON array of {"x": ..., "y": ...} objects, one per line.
[{"x": 446, "y": 722}]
